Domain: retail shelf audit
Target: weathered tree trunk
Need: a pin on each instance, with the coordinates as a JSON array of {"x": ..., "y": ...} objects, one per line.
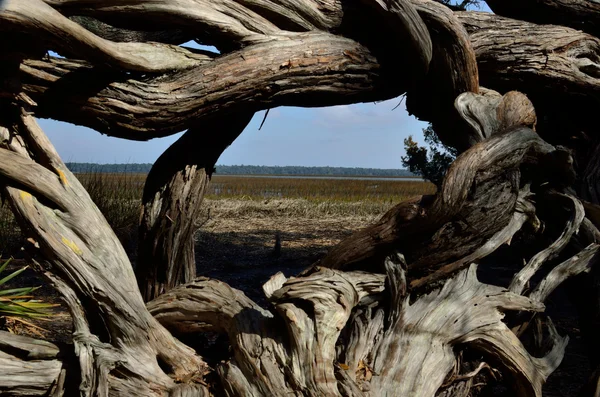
[
  {"x": 172, "y": 205},
  {"x": 431, "y": 231},
  {"x": 579, "y": 14},
  {"x": 557, "y": 67},
  {"x": 296, "y": 71}
]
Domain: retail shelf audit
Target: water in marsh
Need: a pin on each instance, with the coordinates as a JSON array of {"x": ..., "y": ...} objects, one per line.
[{"x": 334, "y": 177}]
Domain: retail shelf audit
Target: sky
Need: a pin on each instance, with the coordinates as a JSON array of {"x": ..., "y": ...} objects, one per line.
[
  {"x": 362, "y": 135},
  {"x": 366, "y": 135}
]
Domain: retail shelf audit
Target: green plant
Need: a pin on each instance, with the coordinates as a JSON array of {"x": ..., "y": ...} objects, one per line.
[{"x": 18, "y": 302}]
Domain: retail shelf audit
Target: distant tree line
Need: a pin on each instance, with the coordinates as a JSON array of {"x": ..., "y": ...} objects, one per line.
[
  {"x": 246, "y": 170},
  {"x": 134, "y": 168}
]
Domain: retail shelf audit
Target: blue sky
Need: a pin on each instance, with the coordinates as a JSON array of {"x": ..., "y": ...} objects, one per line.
[{"x": 362, "y": 135}]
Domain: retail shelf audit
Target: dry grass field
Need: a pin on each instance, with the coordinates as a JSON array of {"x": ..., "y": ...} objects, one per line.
[{"x": 325, "y": 208}]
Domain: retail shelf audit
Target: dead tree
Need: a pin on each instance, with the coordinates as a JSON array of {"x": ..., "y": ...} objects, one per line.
[{"x": 396, "y": 309}]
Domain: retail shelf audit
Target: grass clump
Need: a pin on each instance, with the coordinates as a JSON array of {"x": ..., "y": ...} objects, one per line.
[{"x": 118, "y": 197}]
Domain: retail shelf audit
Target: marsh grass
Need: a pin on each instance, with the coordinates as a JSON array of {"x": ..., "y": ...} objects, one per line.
[
  {"x": 388, "y": 191},
  {"x": 118, "y": 196}
]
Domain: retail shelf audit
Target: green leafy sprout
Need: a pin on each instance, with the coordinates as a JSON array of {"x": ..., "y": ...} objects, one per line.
[{"x": 18, "y": 302}]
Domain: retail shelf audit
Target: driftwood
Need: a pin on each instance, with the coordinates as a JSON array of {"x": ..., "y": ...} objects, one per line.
[
  {"x": 29, "y": 367},
  {"x": 394, "y": 309}
]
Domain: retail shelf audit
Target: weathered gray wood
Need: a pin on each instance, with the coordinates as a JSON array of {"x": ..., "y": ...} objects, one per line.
[
  {"x": 398, "y": 19},
  {"x": 557, "y": 67},
  {"x": 582, "y": 262},
  {"x": 265, "y": 362},
  {"x": 375, "y": 357},
  {"x": 118, "y": 34},
  {"x": 202, "y": 304},
  {"x": 28, "y": 367},
  {"x": 453, "y": 71},
  {"x": 520, "y": 280},
  {"x": 172, "y": 203},
  {"x": 27, "y": 378},
  {"x": 36, "y": 17},
  {"x": 27, "y": 348},
  {"x": 230, "y": 24},
  {"x": 234, "y": 25},
  {"x": 79, "y": 245},
  {"x": 309, "y": 14},
  {"x": 327, "y": 332},
  {"x": 463, "y": 311},
  {"x": 490, "y": 113},
  {"x": 548, "y": 53},
  {"x": 524, "y": 212},
  {"x": 313, "y": 335},
  {"x": 413, "y": 220}
]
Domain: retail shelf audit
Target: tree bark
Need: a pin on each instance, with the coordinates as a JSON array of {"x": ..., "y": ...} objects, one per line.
[
  {"x": 453, "y": 71},
  {"x": 446, "y": 222},
  {"x": 314, "y": 68},
  {"x": 118, "y": 34},
  {"x": 578, "y": 14},
  {"x": 37, "y": 18},
  {"x": 557, "y": 67},
  {"x": 172, "y": 203},
  {"x": 29, "y": 367},
  {"x": 331, "y": 332},
  {"x": 311, "y": 69},
  {"x": 529, "y": 57}
]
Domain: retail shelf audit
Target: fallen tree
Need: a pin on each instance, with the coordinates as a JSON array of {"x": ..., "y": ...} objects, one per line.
[{"x": 399, "y": 307}]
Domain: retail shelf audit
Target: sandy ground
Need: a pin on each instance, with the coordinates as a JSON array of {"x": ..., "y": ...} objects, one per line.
[{"x": 241, "y": 251}]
